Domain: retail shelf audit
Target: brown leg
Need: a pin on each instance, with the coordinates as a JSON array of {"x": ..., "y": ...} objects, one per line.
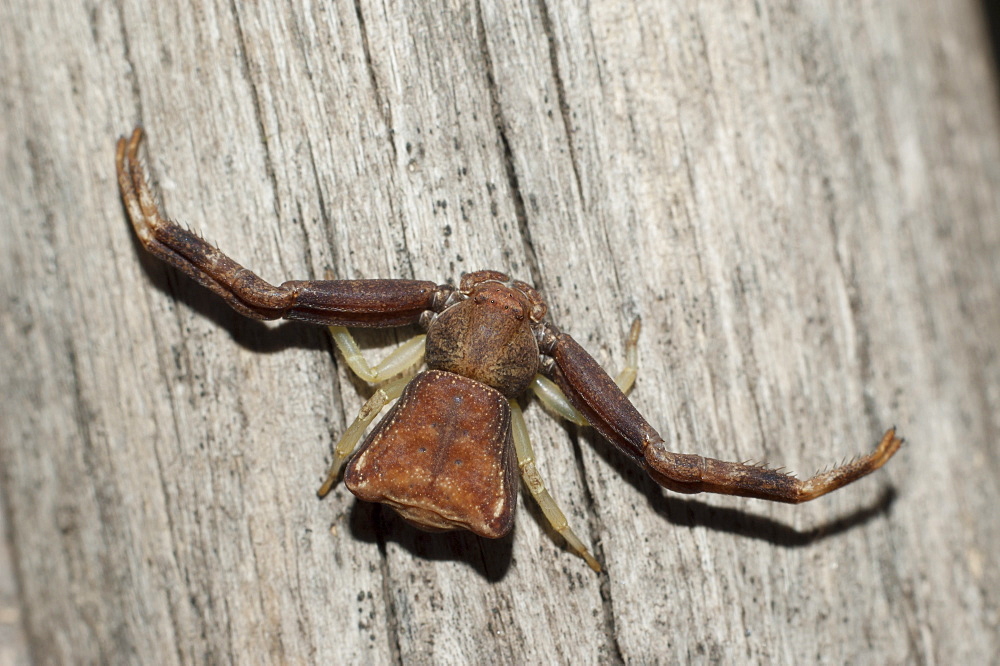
[
  {"x": 341, "y": 302},
  {"x": 688, "y": 473},
  {"x": 550, "y": 395},
  {"x": 602, "y": 403}
]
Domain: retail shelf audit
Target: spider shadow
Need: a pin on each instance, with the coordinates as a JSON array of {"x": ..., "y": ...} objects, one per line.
[
  {"x": 378, "y": 524},
  {"x": 251, "y": 334},
  {"x": 688, "y": 513}
]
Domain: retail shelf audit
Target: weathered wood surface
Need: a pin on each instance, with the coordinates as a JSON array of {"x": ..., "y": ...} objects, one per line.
[{"x": 800, "y": 200}]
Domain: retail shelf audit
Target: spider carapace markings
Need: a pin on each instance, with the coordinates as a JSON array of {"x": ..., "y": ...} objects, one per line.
[{"x": 448, "y": 453}]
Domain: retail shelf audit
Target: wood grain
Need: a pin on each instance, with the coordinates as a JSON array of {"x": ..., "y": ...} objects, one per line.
[{"x": 801, "y": 200}]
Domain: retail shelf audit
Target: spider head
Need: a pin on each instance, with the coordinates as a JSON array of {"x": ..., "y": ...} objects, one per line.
[
  {"x": 520, "y": 298},
  {"x": 488, "y": 336}
]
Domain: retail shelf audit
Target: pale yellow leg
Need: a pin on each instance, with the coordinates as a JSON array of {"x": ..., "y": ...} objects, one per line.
[
  {"x": 401, "y": 359},
  {"x": 555, "y": 400},
  {"x": 551, "y": 511},
  {"x": 345, "y": 447}
]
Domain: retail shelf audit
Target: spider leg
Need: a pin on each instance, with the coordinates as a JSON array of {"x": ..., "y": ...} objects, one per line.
[
  {"x": 689, "y": 473},
  {"x": 556, "y": 401},
  {"x": 401, "y": 359},
  {"x": 349, "y": 441},
  {"x": 535, "y": 485},
  {"x": 341, "y": 302},
  {"x": 601, "y": 402}
]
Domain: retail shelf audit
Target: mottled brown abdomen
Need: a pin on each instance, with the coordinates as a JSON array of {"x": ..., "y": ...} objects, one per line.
[{"x": 443, "y": 457}]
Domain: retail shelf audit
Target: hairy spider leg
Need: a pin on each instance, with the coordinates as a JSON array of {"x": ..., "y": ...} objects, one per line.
[
  {"x": 349, "y": 441},
  {"x": 555, "y": 400},
  {"x": 374, "y": 303},
  {"x": 529, "y": 474},
  {"x": 692, "y": 473},
  {"x": 602, "y": 403}
]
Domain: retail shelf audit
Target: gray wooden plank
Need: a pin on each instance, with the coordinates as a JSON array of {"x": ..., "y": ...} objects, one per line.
[{"x": 800, "y": 202}]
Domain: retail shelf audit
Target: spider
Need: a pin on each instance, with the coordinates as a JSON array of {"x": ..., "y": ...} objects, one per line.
[{"x": 446, "y": 456}]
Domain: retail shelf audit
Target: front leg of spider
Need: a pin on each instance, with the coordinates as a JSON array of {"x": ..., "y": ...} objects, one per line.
[
  {"x": 599, "y": 400},
  {"x": 364, "y": 303}
]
